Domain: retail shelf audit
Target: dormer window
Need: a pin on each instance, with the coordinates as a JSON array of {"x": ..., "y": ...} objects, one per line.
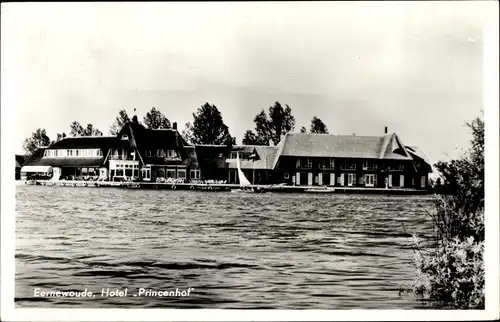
[
  {"x": 160, "y": 153},
  {"x": 124, "y": 137}
]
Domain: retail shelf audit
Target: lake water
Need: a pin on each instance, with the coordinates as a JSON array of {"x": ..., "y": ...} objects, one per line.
[{"x": 234, "y": 250}]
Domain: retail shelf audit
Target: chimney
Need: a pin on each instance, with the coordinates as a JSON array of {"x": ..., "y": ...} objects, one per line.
[
  {"x": 174, "y": 125},
  {"x": 386, "y": 130}
]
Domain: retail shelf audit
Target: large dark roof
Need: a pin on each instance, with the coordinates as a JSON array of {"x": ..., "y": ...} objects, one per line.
[
  {"x": 36, "y": 156},
  {"x": 264, "y": 157},
  {"x": 87, "y": 142},
  {"x": 417, "y": 152},
  {"x": 150, "y": 139},
  {"x": 20, "y": 159},
  {"x": 342, "y": 146},
  {"x": 67, "y": 162}
]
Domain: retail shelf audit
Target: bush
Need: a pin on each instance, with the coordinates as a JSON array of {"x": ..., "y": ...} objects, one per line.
[
  {"x": 452, "y": 274},
  {"x": 451, "y": 271}
]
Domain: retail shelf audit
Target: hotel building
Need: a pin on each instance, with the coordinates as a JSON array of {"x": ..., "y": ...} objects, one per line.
[{"x": 299, "y": 159}]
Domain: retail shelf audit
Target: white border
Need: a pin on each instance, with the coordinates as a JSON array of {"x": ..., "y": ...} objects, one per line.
[{"x": 9, "y": 313}]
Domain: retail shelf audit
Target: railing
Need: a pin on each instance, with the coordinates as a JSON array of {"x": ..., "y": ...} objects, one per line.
[
  {"x": 120, "y": 157},
  {"x": 343, "y": 167}
]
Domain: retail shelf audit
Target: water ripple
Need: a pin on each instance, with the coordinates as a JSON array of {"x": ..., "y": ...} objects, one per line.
[{"x": 264, "y": 251}]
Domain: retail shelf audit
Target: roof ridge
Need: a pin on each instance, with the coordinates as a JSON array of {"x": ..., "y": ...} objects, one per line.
[
  {"x": 88, "y": 137},
  {"x": 385, "y": 143},
  {"x": 345, "y": 135}
]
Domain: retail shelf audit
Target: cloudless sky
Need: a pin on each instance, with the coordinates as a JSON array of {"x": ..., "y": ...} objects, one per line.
[{"x": 416, "y": 67}]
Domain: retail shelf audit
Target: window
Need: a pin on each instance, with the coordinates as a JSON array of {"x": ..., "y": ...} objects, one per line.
[
  {"x": 297, "y": 163},
  {"x": 84, "y": 171},
  {"x": 322, "y": 164},
  {"x": 351, "y": 166},
  {"x": 194, "y": 174},
  {"x": 181, "y": 174},
  {"x": 397, "y": 167},
  {"x": 119, "y": 172},
  {"x": 369, "y": 180},
  {"x": 308, "y": 163},
  {"x": 136, "y": 172},
  {"x": 351, "y": 179},
  {"x": 124, "y": 137},
  {"x": 171, "y": 154},
  {"x": 240, "y": 154},
  {"x": 128, "y": 172},
  {"x": 365, "y": 165},
  {"x": 332, "y": 163},
  {"x": 160, "y": 153},
  {"x": 91, "y": 171},
  {"x": 287, "y": 175},
  {"x": 170, "y": 173},
  {"x": 148, "y": 153}
]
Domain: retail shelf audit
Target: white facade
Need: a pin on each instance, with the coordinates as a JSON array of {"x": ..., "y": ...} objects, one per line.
[
  {"x": 73, "y": 153},
  {"x": 124, "y": 168}
]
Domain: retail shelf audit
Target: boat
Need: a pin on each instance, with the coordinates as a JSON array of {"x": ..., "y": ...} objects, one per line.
[
  {"x": 320, "y": 190},
  {"x": 245, "y": 185}
]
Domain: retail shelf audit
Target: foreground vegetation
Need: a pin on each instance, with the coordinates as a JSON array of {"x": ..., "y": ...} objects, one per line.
[{"x": 451, "y": 270}]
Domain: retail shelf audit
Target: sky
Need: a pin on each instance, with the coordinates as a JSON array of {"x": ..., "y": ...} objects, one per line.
[{"x": 415, "y": 67}]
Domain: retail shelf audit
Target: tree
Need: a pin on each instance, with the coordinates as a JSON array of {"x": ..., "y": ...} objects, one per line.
[
  {"x": 208, "y": 127},
  {"x": 187, "y": 133},
  {"x": 317, "y": 126},
  {"x": 91, "y": 131},
  {"x": 303, "y": 129},
  {"x": 271, "y": 129},
  {"x": 156, "y": 120},
  {"x": 59, "y": 138},
  {"x": 452, "y": 270},
  {"x": 464, "y": 177},
  {"x": 76, "y": 129},
  {"x": 38, "y": 139},
  {"x": 121, "y": 119},
  {"x": 250, "y": 138}
]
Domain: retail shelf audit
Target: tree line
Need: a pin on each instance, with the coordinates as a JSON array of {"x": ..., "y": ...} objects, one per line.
[{"x": 207, "y": 127}]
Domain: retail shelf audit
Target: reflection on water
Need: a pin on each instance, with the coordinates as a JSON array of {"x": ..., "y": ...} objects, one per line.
[{"x": 281, "y": 251}]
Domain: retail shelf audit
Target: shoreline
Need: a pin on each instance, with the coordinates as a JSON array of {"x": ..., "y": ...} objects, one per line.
[{"x": 226, "y": 187}]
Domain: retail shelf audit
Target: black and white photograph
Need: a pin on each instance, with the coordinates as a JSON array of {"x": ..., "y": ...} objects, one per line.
[{"x": 249, "y": 160}]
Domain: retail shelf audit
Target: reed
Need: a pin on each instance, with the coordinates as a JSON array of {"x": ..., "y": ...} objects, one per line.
[{"x": 450, "y": 271}]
